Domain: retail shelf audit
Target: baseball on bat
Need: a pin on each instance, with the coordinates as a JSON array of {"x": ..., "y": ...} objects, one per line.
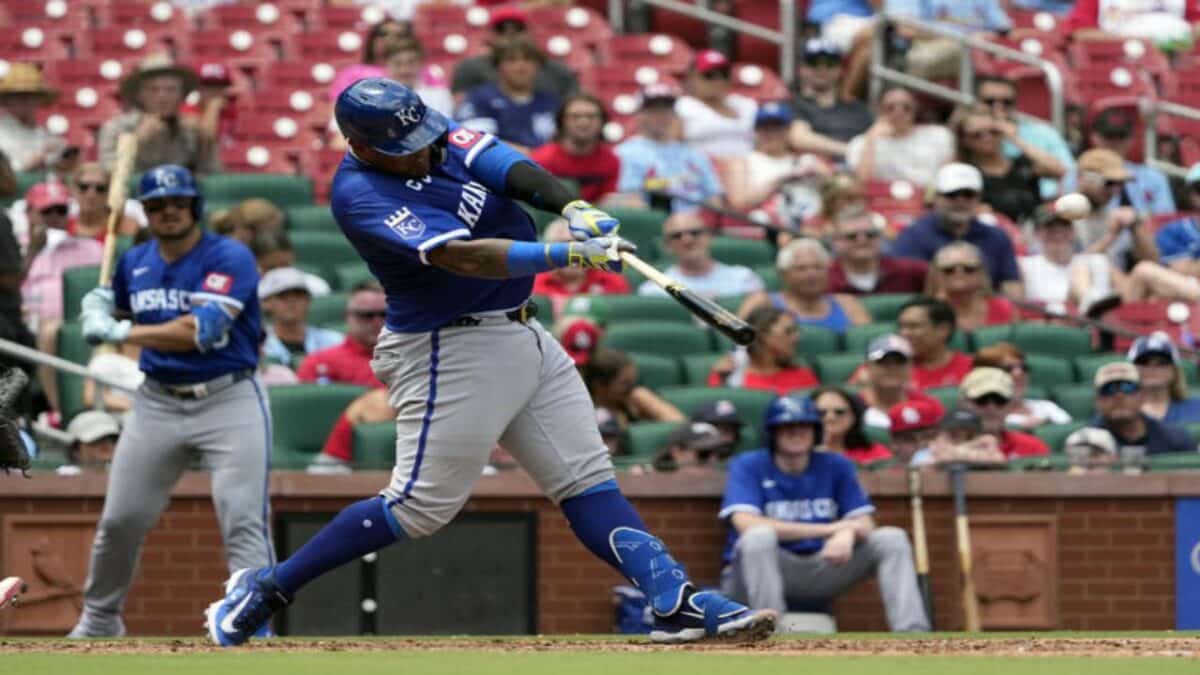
[
  {"x": 962, "y": 529},
  {"x": 920, "y": 544},
  {"x": 710, "y": 312},
  {"x": 122, "y": 168}
]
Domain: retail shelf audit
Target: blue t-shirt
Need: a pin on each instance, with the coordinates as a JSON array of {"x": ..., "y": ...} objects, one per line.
[
  {"x": 922, "y": 239},
  {"x": 826, "y": 491},
  {"x": 964, "y": 16},
  {"x": 1147, "y": 190},
  {"x": 217, "y": 269},
  {"x": 1160, "y": 437},
  {"x": 394, "y": 223},
  {"x": 1178, "y": 240},
  {"x": 488, "y": 110},
  {"x": 681, "y": 169},
  {"x": 1186, "y": 411},
  {"x": 820, "y": 11}
]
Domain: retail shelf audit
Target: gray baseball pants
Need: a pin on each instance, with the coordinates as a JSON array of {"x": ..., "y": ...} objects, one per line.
[
  {"x": 765, "y": 576},
  {"x": 229, "y": 433}
]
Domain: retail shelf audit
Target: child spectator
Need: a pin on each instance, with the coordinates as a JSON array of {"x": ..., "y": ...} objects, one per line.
[
  {"x": 512, "y": 108},
  {"x": 578, "y": 151},
  {"x": 914, "y": 425}
]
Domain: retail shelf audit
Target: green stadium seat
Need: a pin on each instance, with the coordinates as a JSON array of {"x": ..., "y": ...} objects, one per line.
[
  {"x": 1087, "y": 365},
  {"x": 348, "y": 274},
  {"x": 836, "y": 368},
  {"x": 1056, "y": 434},
  {"x": 1174, "y": 461},
  {"x": 769, "y": 275},
  {"x": 324, "y": 251},
  {"x": 283, "y": 190},
  {"x": 748, "y": 252},
  {"x": 646, "y": 439},
  {"x": 1193, "y": 430},
  {"x": 72, "y": 347},
  {"x": 1077, "y": 399},
  {"x": 750, "y": 403},
  {"x": 643, "y": 227},
  {"x": 696, "y": 368},
  {"x": 311, "y": 218},
  {"x": 857, "y": 338},
  {"x": 327, "y": 311},
  {"x": 885, "y": 306},
  {"x": 545, "y": 309},
  {"x": 1036, "y": 391},
  {"x": 656, "y": 371},
  {"x": 1049, "y": 371},
  {"x": 990, "y": 335},
  {"x": 75, "y": 284},
  {"x": 731, "y": 302},
  {"x": 375, "y": 446},
  {"x": 541, "y": 219},
  {"x": 668, "y": 338},
  {"x": 303, "y": 414},
  {"x": 815, "y": 340},
  {"x": 1191, "y": 371},
  {"x": 613, "y": 309},
  {"x": 876, "y": 434},
  {"x": 948, "y": 396},
  {"x": 1040, "y": 338}
]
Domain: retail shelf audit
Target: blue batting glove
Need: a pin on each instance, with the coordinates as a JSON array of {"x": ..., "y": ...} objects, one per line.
[
  {"x": 586, "y": 221},
  {"x": 599, "y": 253},
  {"x": 99, "y": 300}
]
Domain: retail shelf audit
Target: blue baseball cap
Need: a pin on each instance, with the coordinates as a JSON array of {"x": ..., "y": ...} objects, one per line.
[
  {"x": 773, "y": 113},
  {"x": 1155, "y": 343},
  {"x": 1193, "y": 174},
  {"x": 817, "y": 47}
]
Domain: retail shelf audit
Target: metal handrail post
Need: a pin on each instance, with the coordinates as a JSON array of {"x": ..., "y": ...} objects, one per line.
[
  {"x": 878, "y": 58},
  {"x": 616, "y": 15},
  {"x": 966, "y": 69},
  {"x": 787, "y": 50},
  {"x": 1148, "y": 110},
  {"x": 34, "y": 356}
]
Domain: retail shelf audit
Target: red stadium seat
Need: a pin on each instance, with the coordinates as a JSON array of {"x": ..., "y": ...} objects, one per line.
[
  {"x": 129, "y": 13},
  {"x": 580, "y": 24},
  {"x": 758, "y": 82},
  {"x": 750, "y": 49},
  {"x": 691, "y": 31},
  {"x": 454, "y": 45},
  {"x": 264, "y": 21},
  {"x": 1126, "y": 52},
  {"x": 339, "y": 18},
  {"x": 280, "y": 133},
  {"x": 61, "y": 16},
  {"x": 125, "y": 45},
  {"x": 624, "y": 77},
  {"x": 1148, "y": 316},
  {"x": 84, "y": 107},
  {"x": 33, "y": 44},
  {"x": 292, "y": 76},
  {"x": 335, "y": 48},
  {"x": 432, "y": 17},
  {"x": 1089, "y": 84},
  {"x": 311, "y": 110},
  {"x": 238, "y": 48},
  {"x": 566, "y": 49},
  {"x": 894, "y": 196},
  {"x": 255, "y": 158},
  {"x": 103, "y": 76},
  {"x": 320, "y": 165},
  {"x": 661, "y": 51}
]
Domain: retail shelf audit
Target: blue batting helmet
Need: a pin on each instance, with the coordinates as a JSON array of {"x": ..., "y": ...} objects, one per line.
[
  {"x": 171, "y": 180},
  {"x": 791, "y": 410},
  {"x": 387, "y": 116}
]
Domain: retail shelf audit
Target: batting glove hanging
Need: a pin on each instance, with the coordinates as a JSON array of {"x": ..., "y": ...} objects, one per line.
[
  {"x": 599, "y": 253},
  {"x": 586, "y": 221},
  {"x": 98, "y": 300}
]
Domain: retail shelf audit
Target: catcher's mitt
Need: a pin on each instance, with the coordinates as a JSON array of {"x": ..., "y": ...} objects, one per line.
[{"x": 12, "y": 450}]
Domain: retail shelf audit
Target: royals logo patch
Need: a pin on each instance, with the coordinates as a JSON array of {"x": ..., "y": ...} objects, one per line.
[
  {"x": 217, "y": 282},
  {"x": 405, "y": 224}
]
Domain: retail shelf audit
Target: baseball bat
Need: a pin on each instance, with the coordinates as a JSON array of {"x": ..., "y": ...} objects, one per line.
[
  {"x": 920, "y": 544},
  {"x": 962, "y": 529},
  {"x": 710, "y": 312},
  {"x": 122, "y": 168}
]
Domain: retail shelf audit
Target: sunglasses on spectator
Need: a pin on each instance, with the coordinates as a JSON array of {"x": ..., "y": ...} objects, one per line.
[
  {"x": 680, "y": 234},
  {"x": 1154, "y": 360},
  {"x": 787, "y": 330},
  {"x": 160, "y": 205},
  {"x": 983, "y": 133},
  {"x": 718, "y": 74},
  {"x": 958, "y": 269},
  {"x": 991, "y": 399},
  {"x": 101, "y": 188},
  {"x": 866, "y": 235},
  {"x": 369, "y": 313},
  {"x": 833, "y": 412},
  {"x": 1014, "y": 367},
  {"x": 824, "y": 60},
  {"x": 1122, "y": 387},
  {"x": 1114, "y": 184},
  {"x": 54, "y": 211},
  {"x": 961, "y": 194},
  {"x": 1001, "y": 101}
]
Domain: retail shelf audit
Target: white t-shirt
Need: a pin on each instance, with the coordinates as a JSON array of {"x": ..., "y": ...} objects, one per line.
[
  {"x": 722, "y": 280},
  {"x": 1153, "y": 19},
  {"x": 715, "y": 134},
  {"x": 1049, "y": 282},
  {"x": 914, "y": 158},
  {"x": 1042, "y": 409}
]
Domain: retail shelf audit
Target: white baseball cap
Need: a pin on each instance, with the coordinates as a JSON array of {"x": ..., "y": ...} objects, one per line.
[
  {"x": 281, "y": 279},
  {"x": 958, "y": 176},
  {"x": 90, "y": 426}
]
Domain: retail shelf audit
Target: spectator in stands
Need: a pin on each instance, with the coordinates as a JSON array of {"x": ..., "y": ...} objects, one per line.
[
  {"x": 841, "y": 192},
  {"x": 404, "y": 62},
  {"x": 1119, "y": 400},
  {"x": 1146, "y": 189},
  {"x": 928, "y": 324},
  {"x": 913, "y": 425},
  {"x": 962, "y": 439},
  {"x": 997, "y": 95},
  {"x": 841, "y": 21},
  {"x": 93, "y": 435},
  {"x": 723, "y": 415},
  {"x": 1059, "y": 7},
  {"x": 611, "y": 378},
  {"x": 1060, "y": 274},
  {"x": 579, "y": 336},
  {"x": 511, "y": 107},
  {"x": 803, "y": 266},
  {"x": 1010, "y": 183},
  {"x": 1113, "y": 228},
  {"x": 842, "y": 418},
  {"x": 715, "y": 121},
  {"x": 808, "y": 534},
  {"x": 895, "y": 147},
  {"x": 610, "y": 432},
  {"x": 692, "y": 445},
  {"x": 768, "y": 363},
  {"x": 953, "y": 218},
  {"x": 244, "y": 220},
  {"x": 27, "y": 143},
  {"x": 89, "y": 187},
  {"x": 1090, "y": 450},
  {"x": 655, "y": 165},
  {"x": 561, "y": 284},
  {"x": 958, "y": 277},
  {"x": 121, "y": 367},
  {"x": 578, "y": 151},
  {"x": 12, "y": 325},
  {"x": 689, "y": 242},
  {"x": 859, "y": 266},
  {"x": 1159, "y": 21},
  {"x": 381, "y": 36},
  {"x": 50, "y": 252},
  {"x": 509, "y": 22},
  {"x": 285, "y": 299},
  {"x": 215, "y": 109},
  {"x": 273, "y": 249},
  {"x": 350, "y": 362},
  {"x": 1164, "y": 384},
  {"x": 1179, "y": 241},
  {"x": 988, "y": 392},
  {"x": 825, "y": 122},
  {"x": 887, "y": 378},
  {"x": 933, "y": 57},
  {"x": 774, "y": 169},
  {"x": 155, "y": 93},
  {"x": 1025, "y": 413}
]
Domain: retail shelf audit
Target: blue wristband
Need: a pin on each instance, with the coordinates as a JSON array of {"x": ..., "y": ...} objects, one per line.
[{"x": 527, "y": 258}]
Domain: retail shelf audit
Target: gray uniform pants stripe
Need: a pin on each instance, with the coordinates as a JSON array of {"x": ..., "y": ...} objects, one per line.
[
  {"x": 229, "y": 433},
  {"x": 765, "y": 576}
]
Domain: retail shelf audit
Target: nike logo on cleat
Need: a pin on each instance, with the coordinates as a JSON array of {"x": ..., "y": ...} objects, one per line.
[{"x": 227, "y": 623}]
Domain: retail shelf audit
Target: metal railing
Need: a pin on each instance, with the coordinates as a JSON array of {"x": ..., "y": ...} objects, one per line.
[
  {"x": 29, "y": 355},
  {"x": 964, "y": 95},
  {"x": 785, "y": 37},
  {"x": 1150, "y": 110}
]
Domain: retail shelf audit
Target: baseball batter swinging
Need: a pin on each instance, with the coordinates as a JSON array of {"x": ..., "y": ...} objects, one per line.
[
  {"x": 192, "y": 299},
  {"x": 431, "y": 207}
]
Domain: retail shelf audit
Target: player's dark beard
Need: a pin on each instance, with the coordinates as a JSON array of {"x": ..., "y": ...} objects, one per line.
[{"x": 175, "y": 235}]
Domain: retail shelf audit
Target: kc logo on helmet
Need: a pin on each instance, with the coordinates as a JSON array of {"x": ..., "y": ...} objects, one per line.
[{"x": 409, "y": 115}]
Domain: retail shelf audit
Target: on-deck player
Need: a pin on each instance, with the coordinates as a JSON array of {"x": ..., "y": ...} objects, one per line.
[
  {"x": 431, "y": 208},
  {"x": 192, "y": 296}
]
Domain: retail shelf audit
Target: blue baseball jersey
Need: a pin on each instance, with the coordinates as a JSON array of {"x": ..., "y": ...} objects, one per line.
[
  {"x": 394, "y": 223},
  {"x": 217, "y": 269},
  {"x": 531, "y": 123},
  {"x": 826, "y": 491}
]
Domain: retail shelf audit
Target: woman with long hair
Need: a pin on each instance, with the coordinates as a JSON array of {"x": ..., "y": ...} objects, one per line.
[
  {"x": 1026, "y": 413},
  {"x": 611, "y": 378},
  {"x": 769, "y": 362},
  {"x": 959, "y": 277},
  {"x": 842, "y": 427},
  {"x": 1163, "y": 381},
  {"x": 896, "y": 147},
  {"x": 1010, "y": 184}
]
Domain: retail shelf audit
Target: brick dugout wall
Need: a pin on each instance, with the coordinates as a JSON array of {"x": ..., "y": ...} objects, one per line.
[{"x": 1115, "y": 542}]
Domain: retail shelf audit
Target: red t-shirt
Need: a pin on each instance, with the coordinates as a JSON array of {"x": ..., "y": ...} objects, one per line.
[
  {"x": 1017, "y": 444},
  {"x": 347, "y": 363},
  {"x": 595, "y": 282},
  {"x": 999, "y": 311},
  {"x": 595, "y": 172},
  {"x": 949, "y": 375},
  {"x": 868, "y": 455},
  {"x": 896, "y": 275},
  {"x": 781, "y": 383}
]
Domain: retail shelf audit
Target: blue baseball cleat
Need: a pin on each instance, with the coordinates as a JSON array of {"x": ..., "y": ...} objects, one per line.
[
  {"x": 251, "y": 597},
  {"x": 708, "y": 615}
]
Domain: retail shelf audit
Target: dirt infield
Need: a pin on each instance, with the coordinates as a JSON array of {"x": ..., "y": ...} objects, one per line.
[{"x": 1170, "y": 646}]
